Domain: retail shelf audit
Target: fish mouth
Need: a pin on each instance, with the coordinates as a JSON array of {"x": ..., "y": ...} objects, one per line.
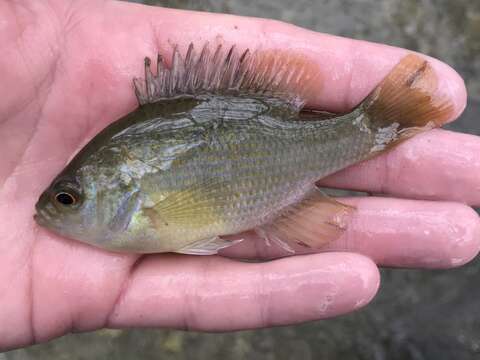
[
  {"x": 39, "y": 219},
  {"x": 45, "y": 214},
  {"x": 42, "y": 218}
]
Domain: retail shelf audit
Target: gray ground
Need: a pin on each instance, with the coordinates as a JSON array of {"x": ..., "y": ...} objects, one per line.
[{"x": 418, "y": 314}]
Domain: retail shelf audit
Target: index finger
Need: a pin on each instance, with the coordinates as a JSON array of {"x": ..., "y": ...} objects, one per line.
[
  {"x": 349, "y": 68},
  {"x": 105, "y": 44}
]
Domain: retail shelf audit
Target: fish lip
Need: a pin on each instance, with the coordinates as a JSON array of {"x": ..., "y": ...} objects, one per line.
[
  {"x": 43, "y": 215},
  {"x": 39, "y": 219}
]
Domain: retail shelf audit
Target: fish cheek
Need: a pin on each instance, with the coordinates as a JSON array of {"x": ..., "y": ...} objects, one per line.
[{"x": 128, "y": 205}]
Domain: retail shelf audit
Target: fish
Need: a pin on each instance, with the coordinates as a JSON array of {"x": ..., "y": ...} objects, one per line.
[{"x": 222, "y": 142}]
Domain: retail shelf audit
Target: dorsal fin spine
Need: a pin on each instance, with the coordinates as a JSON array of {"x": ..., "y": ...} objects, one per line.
[{"x": 222, "y": 72}]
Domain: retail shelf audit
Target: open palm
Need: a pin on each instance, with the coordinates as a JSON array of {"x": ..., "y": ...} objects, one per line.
[{"x": 66, "y": 70}]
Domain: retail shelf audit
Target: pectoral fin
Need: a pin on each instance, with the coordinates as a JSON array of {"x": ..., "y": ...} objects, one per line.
[
  {"x": 194, "y": 206},
  {"x": 207, "y": 246},
  {"x": 313, "y": 222}
]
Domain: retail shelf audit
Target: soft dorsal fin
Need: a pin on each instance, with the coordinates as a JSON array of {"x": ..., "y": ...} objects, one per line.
[
  {"x": 274, "y": 74},
  {"x": 312, "y": 114}
]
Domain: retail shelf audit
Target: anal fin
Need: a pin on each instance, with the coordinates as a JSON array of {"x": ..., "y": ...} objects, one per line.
[
  {"x": 313, "y": 222},
  {"x": 207, "y": 246}
]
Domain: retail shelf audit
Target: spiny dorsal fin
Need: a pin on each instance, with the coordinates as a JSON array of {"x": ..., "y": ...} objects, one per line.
[{"x": 275, "y": 74}]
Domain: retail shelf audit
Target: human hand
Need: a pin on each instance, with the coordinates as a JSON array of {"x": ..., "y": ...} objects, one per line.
[{"x": 66, "y": 71}]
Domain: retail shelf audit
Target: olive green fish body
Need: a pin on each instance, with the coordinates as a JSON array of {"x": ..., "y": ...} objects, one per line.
[{"x": 254, "y": 161}]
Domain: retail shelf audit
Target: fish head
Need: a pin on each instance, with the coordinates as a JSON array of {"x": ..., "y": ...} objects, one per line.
[
  {"x": 92, "y": 204},
  {"x": 64, "y": 207}
]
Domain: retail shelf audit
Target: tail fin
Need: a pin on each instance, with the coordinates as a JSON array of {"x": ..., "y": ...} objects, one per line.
[{"x": 405, "y": 103}]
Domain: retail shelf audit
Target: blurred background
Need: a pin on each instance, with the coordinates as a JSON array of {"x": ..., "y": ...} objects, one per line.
[{"x": 418, "y": 315}]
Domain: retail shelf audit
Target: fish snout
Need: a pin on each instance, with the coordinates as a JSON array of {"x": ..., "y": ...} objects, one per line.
[{"x": 46, "y": 212}]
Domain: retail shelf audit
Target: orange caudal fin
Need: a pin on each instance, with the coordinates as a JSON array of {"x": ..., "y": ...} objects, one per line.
[{"x": 406, "y": 102}]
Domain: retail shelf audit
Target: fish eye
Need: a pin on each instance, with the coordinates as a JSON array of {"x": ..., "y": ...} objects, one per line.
[
  {"x": 66, "y": 193},
  {"x": 66, "y": 198}
]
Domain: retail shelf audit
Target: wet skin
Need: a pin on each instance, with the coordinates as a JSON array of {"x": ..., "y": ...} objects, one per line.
[{"x": 67, "y": 70}]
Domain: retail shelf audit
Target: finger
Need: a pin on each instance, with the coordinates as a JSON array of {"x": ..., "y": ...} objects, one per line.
[
  {"x": 99, "y": 59},
  {"x": 73, "y": 286},
  {"x": 392, "y": 232},
  {"x": 217, "y": 294},
  {"x": 349, "y": 69},
  {"x": 435, "y": 165}
]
